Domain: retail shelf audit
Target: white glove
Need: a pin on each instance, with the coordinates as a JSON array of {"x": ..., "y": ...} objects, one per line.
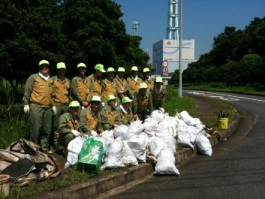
[
  {"x": 54, "y": 110},
  {"x": 94, "y": 133},
  {"x": 75, "y": 132},
  {"x": 26, "y": 109}
]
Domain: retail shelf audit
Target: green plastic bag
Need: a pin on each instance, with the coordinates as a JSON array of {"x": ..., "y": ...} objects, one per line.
[{"x": 90, "y": 156}]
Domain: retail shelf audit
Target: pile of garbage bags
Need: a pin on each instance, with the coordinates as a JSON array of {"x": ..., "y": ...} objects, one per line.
[{"x": 155, "y": 137}]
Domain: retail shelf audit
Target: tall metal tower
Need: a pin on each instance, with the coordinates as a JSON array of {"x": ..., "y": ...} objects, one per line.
[
  {"x": 172, "y": 26},
  {"x": 135, "y": 26}
]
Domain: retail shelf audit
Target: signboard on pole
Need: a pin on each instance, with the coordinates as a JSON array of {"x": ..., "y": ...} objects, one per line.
[{"x": 165, "y": 67}]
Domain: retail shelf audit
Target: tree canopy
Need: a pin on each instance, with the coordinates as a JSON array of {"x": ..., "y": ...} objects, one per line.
[
  {"x": 237, "y": 57},
  {"x": 71, "y": 31}
]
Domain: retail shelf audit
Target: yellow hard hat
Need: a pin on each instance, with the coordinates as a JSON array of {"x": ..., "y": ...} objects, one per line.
[
  {"x": 95, "y": 99},
  {"x": 60, "y": 65},
  {"x": 74, "y": 104},
  {"x": 126, "y": 100},
  {"x": 143, "y": 85},
  {"x": 146, "y": 70},
  {"x": 159, "y": 79},
  {"x": 44, "y": 62},
  {"x": 81, "y": 65},
  {"x": 134, "y": 68},
  {"x": 111, "y": 97},
  {"x": 99, "y": 67},
  {"x": 121, "y": 69},
  {"x": 110, "y": 69}
]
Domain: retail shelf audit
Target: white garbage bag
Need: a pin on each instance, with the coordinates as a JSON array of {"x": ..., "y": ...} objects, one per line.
[
  {"x": 158, "y": 115},
  {"x": 166, "y": 163},
  {"x": 169, "y": 140},
  {"x": 138, "y": 144},
  {"x": 184, "y": 115},
  {"x": 113, "y": 154},
  {"x": 108, "y": 136},
  {"x": 183, "y": 138},
  {"x": 156, "y": 145},
  {"x": 128, "y": 156},
  {"x": 203, "y": 144},
  {"x": 121, "y": 131},
  {"x": 135, "y": 128},
  {"x": 150, "y": 125},
  {"x": 73, "y": 149},
  {"x": 170, "y": 123}
]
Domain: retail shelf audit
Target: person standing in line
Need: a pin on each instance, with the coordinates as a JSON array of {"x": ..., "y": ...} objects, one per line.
[
  {"x": 110, "y": 116},
  {"x": 95, "y": 81},
  {"x": 125, "y": 111},
  {"x": 158, "y": 93},
  {"x": 90, "y": 119},
  {"x": 142, "y": 103},
  {"x": 80, "y": 86},
  {"x": 69, "y": 124},
  {"x": 134, "y": 81},
  {"x": 61, "y": 96},
  {"x": 147, "y": 78},
  {"x": 39, "y": 104},
  {"x": 121, "y": 84},
  {"x": 108, "y": 85}
]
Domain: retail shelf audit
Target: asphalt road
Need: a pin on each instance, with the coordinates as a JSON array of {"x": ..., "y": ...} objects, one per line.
[{"x": 235, "y": 170}]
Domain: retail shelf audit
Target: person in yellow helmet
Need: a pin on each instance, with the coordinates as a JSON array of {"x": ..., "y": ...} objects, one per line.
[
  {"x": 147, "y": 78},
  {"x": 61, "y": 96},
  {"x": 69, "y": 124},
  {"x": 110, "y": 116},
  {"x": 134, "y": 81},
  {"x": 90, "y": 118},
  {"x": 125, "y": 111},
  {"x": 80, "y": 86},
  {"x": 142, "y": 103},
  {"x": 95, "y": 81},
  {"x": 38, "y": 103},
  {"x": 158, "y": 93},
  {"x": 121, "y": 84},
  {"x": 108, "y": 84}
]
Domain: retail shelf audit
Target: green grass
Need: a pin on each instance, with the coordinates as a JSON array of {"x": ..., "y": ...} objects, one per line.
[
  {"x": 49, "y": 185},
  {"x": 254, "y": 90},
  {"x": 13, "y": 130},
  {"x": 73, "y": 176},
  {"x": 176, "y": 104}
]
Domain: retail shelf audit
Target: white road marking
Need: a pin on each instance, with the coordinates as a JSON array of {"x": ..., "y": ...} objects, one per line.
[{"x": 225, "y": 97}]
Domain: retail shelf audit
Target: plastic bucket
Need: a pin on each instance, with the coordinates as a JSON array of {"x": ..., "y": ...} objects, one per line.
[
  {"x": 223, "y": 123},
  {"x": 4, "y": 185}
]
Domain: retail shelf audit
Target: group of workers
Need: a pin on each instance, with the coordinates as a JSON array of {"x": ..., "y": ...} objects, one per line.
[{"x": 87, "y": 105}]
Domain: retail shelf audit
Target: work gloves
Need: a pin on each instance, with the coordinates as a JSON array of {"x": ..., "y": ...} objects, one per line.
[
  {"x": 75, "y": 132},
  {"x": 26, "y": 108},
  {"x": 94, "y": 133},
  {"x": 54, "y": 110}
]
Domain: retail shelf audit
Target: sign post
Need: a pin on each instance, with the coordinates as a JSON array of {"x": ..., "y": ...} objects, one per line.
[{"x": 165, "y": 67}]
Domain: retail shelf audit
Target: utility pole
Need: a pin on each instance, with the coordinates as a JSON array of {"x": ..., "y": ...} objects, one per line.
[{"x": 180, "y": 48}]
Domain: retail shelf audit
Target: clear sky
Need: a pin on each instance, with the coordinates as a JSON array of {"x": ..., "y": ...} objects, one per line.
[{"x": 202, "y": 20}]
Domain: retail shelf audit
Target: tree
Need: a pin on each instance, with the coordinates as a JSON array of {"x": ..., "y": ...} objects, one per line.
[
  {"x": 249, "y": 65},
  {"x": 95, "y": 34}
]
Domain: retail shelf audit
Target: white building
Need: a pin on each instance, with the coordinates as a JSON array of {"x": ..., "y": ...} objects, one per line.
[{"x": 166, "y": 56}]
